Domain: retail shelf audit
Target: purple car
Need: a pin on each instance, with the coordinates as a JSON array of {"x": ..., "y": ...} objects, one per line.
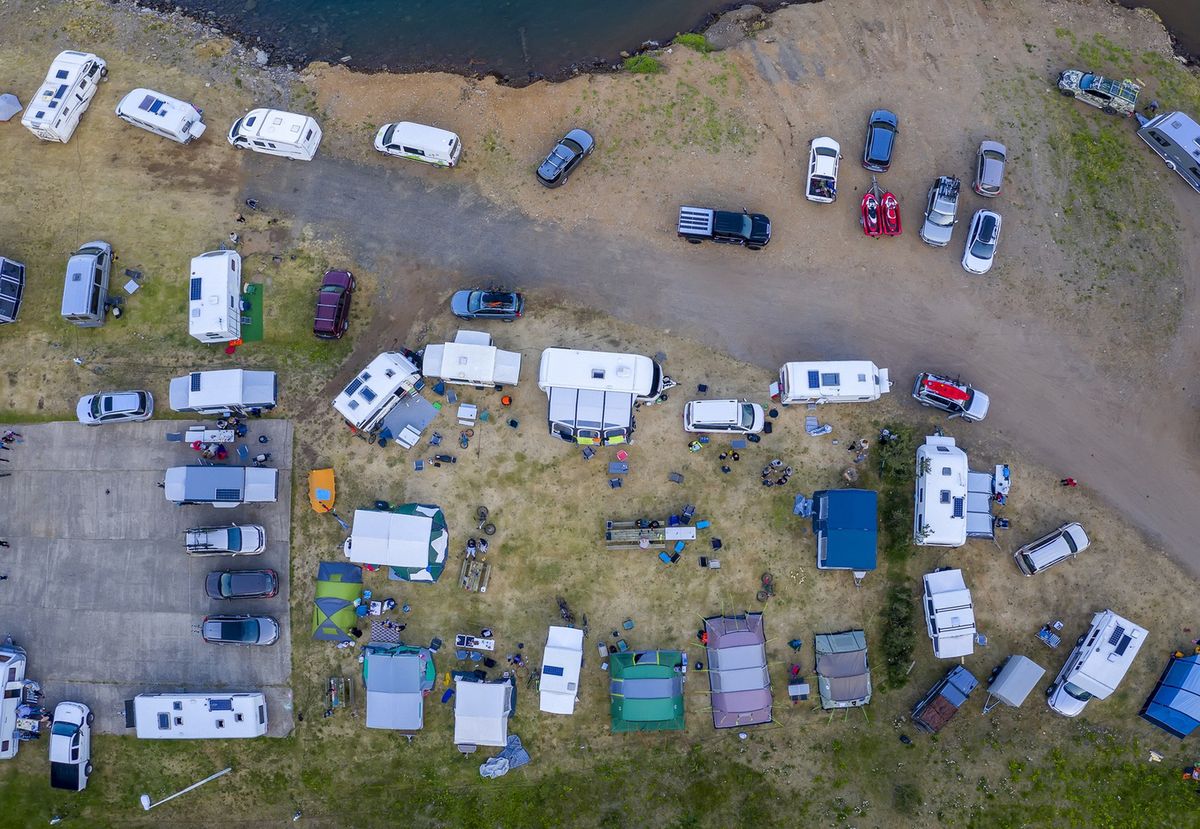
[{"x": 333, "y": 305}]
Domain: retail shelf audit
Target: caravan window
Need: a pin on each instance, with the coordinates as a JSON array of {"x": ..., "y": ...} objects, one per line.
[
  {"x": 94, "y": 305},
  {"x": 831, "y": 378},
  {"x": 164, "y": 722},
  {"x": 1158, "y": 138},
  {"x": 413, "y": 151},
  {"x": 308, "y": 137}
]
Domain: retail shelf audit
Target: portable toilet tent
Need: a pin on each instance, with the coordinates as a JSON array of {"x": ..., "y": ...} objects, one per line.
[
  {"x": 411, "y": 540},
  {"x": 1013, "y": 683},
  {"x": 1174, "y": 706},
  {"x": 737, "y": 670},
  {"x": 338, "y": 585},
  {"x": 646, "y": 691},
  {"x": 397, "y": 678},
  {"x": 215, "y": 297},
  {"x": 481, "y": 712},
  {"x": 472, "y": 360},
  {"x": 561, "y": 662},
  {"x": 846, "y": 524},
  {"x": 843, "y": 674}
]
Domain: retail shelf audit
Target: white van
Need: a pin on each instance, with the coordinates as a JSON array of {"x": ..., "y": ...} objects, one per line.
[
  {"x": 832, "y": 381},
  {"x": 275, "y": 132},
  {"x": 162, "y": 115},
  {"x": 12, "y": 684},
  {"x": 1095, "y": 668},
  {"x": 1066, "y": 542},
  {"x": 221, "y": 486},
  {"x": 85, "y": 290},
  {"x": 405, "y": 139},
  {"x": 215, "y": 297},
  {"x": 223, "y": 393},
  {"x": 739, "y": 416},
  {"x": 55, "y": 109}
]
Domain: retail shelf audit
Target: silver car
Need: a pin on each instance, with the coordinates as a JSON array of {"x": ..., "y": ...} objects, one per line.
[
  {"x": 114, "y": 407},
  {"x": 240, "y": 630},
  {"x": 989, "y": 169},
  {"x": 1066, "y": 542},
  {"x": 982, "y": 239},
  {"x": 229, "y": 540},
  {"x": 940, "y": 209}
]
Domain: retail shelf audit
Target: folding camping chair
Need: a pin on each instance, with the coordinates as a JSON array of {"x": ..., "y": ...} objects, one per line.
[{"x": 675, "y": 478}]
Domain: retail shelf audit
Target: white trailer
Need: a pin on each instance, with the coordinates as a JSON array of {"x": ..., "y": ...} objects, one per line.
[
  {"x": 276, "y": 132},
  {"x": 1175, "y": 136},
  {"x": 215, "y": 296},
  {"x": 377, "y": 390},
  {"x": 198, "y": 716},
  {"x": 949, "y": 614},
  {"x": 940, "y": 511},
  {"x": 55, "y": 109},
  {"x": 162, "y": 115},
  {"x": 561, "y": 663},
  {"x": 591, "y": 394},
  {"x": 225, "y": 392},
  {"x": 472, "y": 360},
  {"x": 830, "y": 381},
  {"x": 12, "y": 684},
  {"x": 223, "y": 487}
]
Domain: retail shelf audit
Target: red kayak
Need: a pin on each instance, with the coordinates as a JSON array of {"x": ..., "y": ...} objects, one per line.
[
  {"x": 891, "y": 215},
  {"x": 870, "y": 215}
]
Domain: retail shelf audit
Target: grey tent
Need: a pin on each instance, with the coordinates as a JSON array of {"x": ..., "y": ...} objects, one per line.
[
  {"x": 843, "y": 676},
  {"x": 9, "y": 106},
  {"x": 394, "y": 677},
  {"x": 1014, "y": 682}
]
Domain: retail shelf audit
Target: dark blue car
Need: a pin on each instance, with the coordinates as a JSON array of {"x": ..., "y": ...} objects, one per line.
[{"x": 881, "y": 140}]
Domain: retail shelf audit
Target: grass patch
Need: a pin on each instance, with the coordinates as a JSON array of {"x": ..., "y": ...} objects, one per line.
[
  {"x": 695, "y": 41},
  {"x": 643, "y": 65}
]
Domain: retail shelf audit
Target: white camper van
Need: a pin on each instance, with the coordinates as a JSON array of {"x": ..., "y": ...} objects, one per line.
[
  {"x": 472, "y": 360},
  {"x": 844, "y": 381},
  {"x": 405, "y": 139},
  {"x": 214, "y": 297},
  {"x": 223, "y": 487},
  {"x": 197, "y": 716},
  {"x": 275, "y": 132},
  {"x": 940, "y": 513},
  {"x": 85, "y": 289},
  {"x": 1096, "y": 667},
  {"x": 12, "y": 683},
  {"x": 55, "y": 109},
  {"x": 224, "y": 393},
  {"x": 162, "y": 115},
  {"x": 377, "y": 390}
]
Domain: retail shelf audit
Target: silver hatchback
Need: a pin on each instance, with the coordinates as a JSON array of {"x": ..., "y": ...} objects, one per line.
[{"x": 989, "y": 169}]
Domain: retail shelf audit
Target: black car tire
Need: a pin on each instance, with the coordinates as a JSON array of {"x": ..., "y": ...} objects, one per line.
[
  {"x": 1066, "y": 92},
  {"x": 87, "y": 769},
  {"x": 753, "y": 247},
  {"x": 1107, "y": 110},
  {"x": 694, "y": 241},
  {"x": 90, "y": 718}
]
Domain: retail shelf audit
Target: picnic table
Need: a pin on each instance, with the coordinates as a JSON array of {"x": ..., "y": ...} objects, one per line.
[
  {"x": 461, "y": 640},
  {"x": 204, "y": 435}
]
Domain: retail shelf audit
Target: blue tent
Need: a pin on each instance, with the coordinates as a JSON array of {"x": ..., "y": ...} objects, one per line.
[
  {"x": 1175, "y": 704},
  {"x": 846, "y": 525}
]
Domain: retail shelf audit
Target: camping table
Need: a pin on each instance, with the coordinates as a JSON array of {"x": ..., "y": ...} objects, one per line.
[
  {"x": 203, "y": 435},
  {"x": 617, "y": 468},
  {"x": 461, "y": 640},
  {"x": 1049, "y": 637}
]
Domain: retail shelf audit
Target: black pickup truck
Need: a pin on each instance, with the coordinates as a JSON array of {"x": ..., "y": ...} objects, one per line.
[{"x": 752, "y": 230}]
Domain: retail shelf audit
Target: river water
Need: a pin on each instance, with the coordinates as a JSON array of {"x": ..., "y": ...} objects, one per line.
[{"x": 1181, "y": 17}]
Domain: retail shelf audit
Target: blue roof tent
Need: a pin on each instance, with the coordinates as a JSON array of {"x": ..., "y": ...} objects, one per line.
[
  {"x": 1174, "y": 706},
  {"x": 846, "y": 524}
]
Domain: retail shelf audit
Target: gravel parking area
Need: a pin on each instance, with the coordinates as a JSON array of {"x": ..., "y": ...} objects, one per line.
[{"x": 99, "y": 590}]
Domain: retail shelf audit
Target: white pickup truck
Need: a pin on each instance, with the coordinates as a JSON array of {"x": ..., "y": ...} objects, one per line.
[{"x": 823, "y": 156}]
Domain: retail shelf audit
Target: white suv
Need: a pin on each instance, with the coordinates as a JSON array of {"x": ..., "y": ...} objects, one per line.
[
  {"x": 71, "y": 746},
  {"x": 1066, "y": 542},
  {"x": 231, "y": 540},
  {"x": 739, "y": 416}
]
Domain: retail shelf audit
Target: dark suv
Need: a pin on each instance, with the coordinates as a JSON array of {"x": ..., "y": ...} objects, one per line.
[
  {"x": 487, "y": 305},
  {"x": 882, "y": 128},
  {"x": 333, "y": 305}
]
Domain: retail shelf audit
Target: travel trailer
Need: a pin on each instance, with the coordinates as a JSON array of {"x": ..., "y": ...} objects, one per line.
[
  {"x": 55, "y": 109},
  {"x": 226, "y": 392},
  {"x": 223, "y": 487},
  {"x": 85, "y": 290},
  {"x": 197, "y": 716},
  {"x": 845, "y": 381},
  {"x": 949, "y": 614},
  {"x": 276, "y": 132},
  {"x": 472, "y": 360},
  {"x": 372, "y": 395},
  {"x": 12, "y": 682},
  {"x": 1097, "y": 664},
  {"x": 419, "y": 142},
  {"x": 591, "y": 394},
  {"x": 1176, "y": 137},
  {"x": 214, "y": 297},
  {"x": 162, "y": 115},
  {"x": 940, "y": 515}
]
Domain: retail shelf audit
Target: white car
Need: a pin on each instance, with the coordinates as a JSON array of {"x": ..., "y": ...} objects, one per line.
[
  {"x": 114, "y": 407},
  {"x": 71, "y": 746},
  {"x": 982, "y": 239},
  {"x": 1066, "y": 542},
  {"x": 230, "y": 540},
  {"x": 823, "y": 156},
  {"x": 740, "y": 416}
]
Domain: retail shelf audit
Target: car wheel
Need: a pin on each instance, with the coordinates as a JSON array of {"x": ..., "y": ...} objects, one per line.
[
  {"x": 753, "y": 247},
  {"x": 87, "y": 769},
  {"x": 693, "y": 241},
  {"x": 1066, "y": 92},
  {"x": 90, "y": 718},
  {"x": 1108, "y": 110}
]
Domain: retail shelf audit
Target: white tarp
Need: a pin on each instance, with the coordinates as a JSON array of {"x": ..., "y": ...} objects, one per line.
[
  {"x": 389, "y": 540},
  {"x": 1015, "y": 681},
  {"x": 481, "y": 711},
  {"x": 9, "y": 106},
  {"x": 560, "y": 670}
]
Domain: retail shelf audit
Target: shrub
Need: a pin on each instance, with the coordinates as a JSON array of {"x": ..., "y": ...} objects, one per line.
[
  {"x": 694, "y": 41},
  {"x": 642, "y": 65},
  {"x": 898, "y": 635}
]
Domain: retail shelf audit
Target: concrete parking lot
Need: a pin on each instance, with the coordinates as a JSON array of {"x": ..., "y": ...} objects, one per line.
[{"x": 100, "y": 591}]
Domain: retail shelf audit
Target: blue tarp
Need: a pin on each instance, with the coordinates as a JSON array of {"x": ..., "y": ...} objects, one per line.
[
  {"x": 846, "y": 525},
  {"x": 1174, "y": 706}
]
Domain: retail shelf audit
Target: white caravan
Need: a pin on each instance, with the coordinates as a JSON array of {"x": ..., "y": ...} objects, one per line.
[
  {"x": 949, "y": 614},
  {"x": 223, "y": 487},
  {"x": 1175, "y": 136},
  {"x": 1097, "y": 665},
  {"x": 830, "y": 381},
  {"x": 940, "y": 512},
  {"x": 225, "y": 392},
  {"x": 12, "y": 683},
  {"x": 197, "y": 716},
  {"x": 215, "y": 297},
  {"x": 591, "y": 394},
  {"x": 472, "y": 360},
  {"x": 376, "y": 390},
  {"x": 405, "y": 139},
  {"x": 162, "y": 115},
  {"x": 275, "y": 132},
  {"x": 561, "y": 663},
  {"x": 55, "y": 109}
]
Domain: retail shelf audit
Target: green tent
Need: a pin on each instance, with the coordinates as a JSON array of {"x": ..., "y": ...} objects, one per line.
[
  {"x": 646, "y": 690},
  {"x": 338, "y": 585}
]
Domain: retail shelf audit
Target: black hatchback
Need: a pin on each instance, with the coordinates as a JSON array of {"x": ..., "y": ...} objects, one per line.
[
  {"x": 574, "y": 147},
  {"x": 882, "y": 128},
  {"x": 487, "y": 305}
]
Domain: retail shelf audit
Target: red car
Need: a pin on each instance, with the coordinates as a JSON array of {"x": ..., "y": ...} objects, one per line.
[{"x": 333, "y": 305}]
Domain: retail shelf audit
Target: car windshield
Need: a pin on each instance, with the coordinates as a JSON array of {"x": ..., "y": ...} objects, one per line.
[
  {"x": 982, "y": 250},
  {"x": 1070, "y": 543},
  {"x": 64, "y": 729},
  {"x": 95, "y": 406},
  {"x": 747, "y": 416},
  {"x": 1077, "y": 692},
  {"x": 331, "y": 289},
  {"x": 828, "y": 152},
  {"x": 747, "y": 226},
  {"x": 388, "y": 133},
  {"x": 234, "y": 538},
  {"x": 568, "y": 144}
]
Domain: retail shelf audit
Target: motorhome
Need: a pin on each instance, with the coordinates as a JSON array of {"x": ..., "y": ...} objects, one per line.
[
  {"x": 1176, "y": 138},
  {"x": 831, "y": 381},
  {"x": 214, "y": 297},
  {"x": 12, "y": 289},
  {"x": 949, "y": 614},
  {"x": 472, "y": 360},
  {"x": 276, "y": 132},
  {"x": 162, "y": 115},
  {"x": 85, "y": 289},
  {"x": 12, "y": 681},
  {"x": 55, "y": 109},
  {"x": 197, "y": 716},
  {"x": 376, "y": 390},
  {"x": 224, "y": 487},
  {"x": 226, "y": 392},
  {"x": 591, "y": 394},
  {"x": 1097, "y": 664},
  {"x": 561, "y": 663},
  {"x": 940, "y": 513},
  {"x": 419, "y": 142}
]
